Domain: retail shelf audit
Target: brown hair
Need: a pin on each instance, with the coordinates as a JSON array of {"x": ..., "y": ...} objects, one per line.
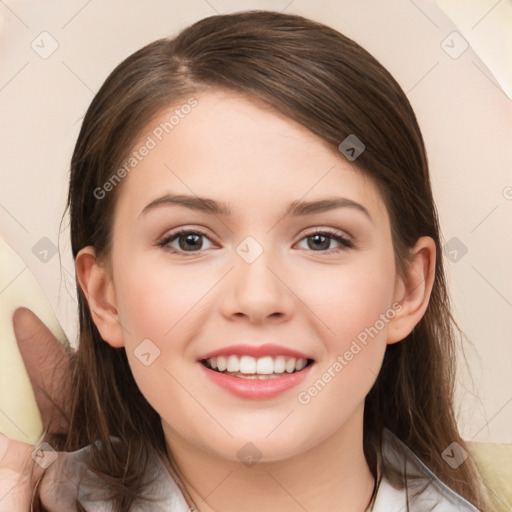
[{"x": 331, "y": 85}]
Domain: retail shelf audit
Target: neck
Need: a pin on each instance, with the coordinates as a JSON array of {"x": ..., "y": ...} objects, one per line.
[{"x": 332, "y": 476}]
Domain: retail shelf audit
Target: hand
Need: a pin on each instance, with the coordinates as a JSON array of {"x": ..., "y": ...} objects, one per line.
[
  {"x": 47, "y": 365},
  {"x": 18, "y": 475}
]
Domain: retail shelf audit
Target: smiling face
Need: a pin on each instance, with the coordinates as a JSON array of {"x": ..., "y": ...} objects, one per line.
[{"x": 258, "y": 262}]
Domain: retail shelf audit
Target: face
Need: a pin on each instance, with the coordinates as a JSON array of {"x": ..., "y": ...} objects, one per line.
[{"x": 265, "y": 267}]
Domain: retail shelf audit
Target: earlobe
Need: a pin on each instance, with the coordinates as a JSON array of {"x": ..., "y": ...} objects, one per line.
[
  {"x": 413, "y": 291},
  {"x": 98, "y": 287}
]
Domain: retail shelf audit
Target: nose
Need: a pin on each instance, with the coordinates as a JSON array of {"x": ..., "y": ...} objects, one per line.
[{"x": 257, "y": 291}]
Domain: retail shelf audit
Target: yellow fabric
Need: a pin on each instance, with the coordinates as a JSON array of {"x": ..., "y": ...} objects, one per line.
[
  {"x": 19, "y": 418},
  {"x": 494, "y": 462}
]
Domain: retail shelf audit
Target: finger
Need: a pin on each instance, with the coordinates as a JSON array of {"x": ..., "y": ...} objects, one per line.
[
  {"x": 47, "y": 365},
  {"x": 18, "y": 475}
]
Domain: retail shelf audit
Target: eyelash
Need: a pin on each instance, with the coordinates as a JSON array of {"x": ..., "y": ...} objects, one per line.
[{"x": 164, "y": 243}]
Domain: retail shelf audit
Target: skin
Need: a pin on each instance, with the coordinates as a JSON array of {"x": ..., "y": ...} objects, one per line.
[
  {"x": 233, "y": 149},
  {"x": 47, "y": 365}
]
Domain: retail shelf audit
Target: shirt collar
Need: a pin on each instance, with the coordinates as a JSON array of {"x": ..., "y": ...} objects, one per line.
[
  {"x": 420, "y": 490},
  {"x": 388, "y": 495}
]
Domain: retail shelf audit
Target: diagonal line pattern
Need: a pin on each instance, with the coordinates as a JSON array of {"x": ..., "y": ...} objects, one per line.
[
  {"x": 14, "y": 76},
  {"x": 423, "y": 77},
  {"x": 14, "y": 218},
  {"x": 424, "y": 14},
  {"x": 304, "y": 195},
  {"x": 77, "y": 76},
  {"x": 11, "y": 421},
  {"x": 275, "y": 428},
  {"x": 496, "y": 414},
  {"x": 490, "y": 79},
  {"x": 75, "y": 15},
  {"x": 301, "y": 300},
  {"x": 198, "y": 301},
  {"x": 484, "y": 218},
  {"x": 494, "y": 288},
  {"x": 199, "y": 403},
  {"x": 13, "y": 279},
  {"x": 5, "y": 5},
  {"x": 206, "y": 1},
  {"x": 286, "y": 491},
  {"x": 485, "y": 15}
]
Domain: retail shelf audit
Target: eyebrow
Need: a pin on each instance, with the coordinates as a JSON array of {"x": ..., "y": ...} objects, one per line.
[{"x": 295, "y": 208}]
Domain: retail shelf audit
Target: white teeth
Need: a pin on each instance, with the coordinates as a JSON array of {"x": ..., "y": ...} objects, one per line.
[
  {"x": 221, "y": 363},
  {"x": 279, "y": 364},
  {"x": 290, "y": 365},
  {"x": 248, "y": 365},
  {"x": 233, "y": 364},
  {"x": 264, "y": 366},
  {"x": 301, "y": 363}
]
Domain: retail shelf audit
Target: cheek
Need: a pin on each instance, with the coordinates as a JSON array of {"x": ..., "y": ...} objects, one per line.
[
  {"x": 153, "y": 300},
  {"x": 354, "y": 347},
  {"x": 351, "y": 300},
  {"x": 354, "y": 310}
]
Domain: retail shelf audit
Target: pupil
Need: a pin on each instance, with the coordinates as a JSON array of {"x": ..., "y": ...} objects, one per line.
[
  {"x": 190, "y": 239},
  {"x": 316, "y": 237}
]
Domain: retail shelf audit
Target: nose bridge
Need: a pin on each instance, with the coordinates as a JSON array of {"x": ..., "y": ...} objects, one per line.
[{"x": 255, "y": 288}]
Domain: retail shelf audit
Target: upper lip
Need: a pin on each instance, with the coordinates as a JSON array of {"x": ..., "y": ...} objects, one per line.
[{"x": 256, "y": 351}]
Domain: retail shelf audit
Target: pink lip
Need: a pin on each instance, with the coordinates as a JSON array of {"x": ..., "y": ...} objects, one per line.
[
  {"x": 256, "y": 389},
  {"x": 267, "y": 349}
]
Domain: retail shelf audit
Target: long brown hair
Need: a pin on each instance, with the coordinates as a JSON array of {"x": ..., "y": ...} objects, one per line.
[{"x": 331, "y": 85}]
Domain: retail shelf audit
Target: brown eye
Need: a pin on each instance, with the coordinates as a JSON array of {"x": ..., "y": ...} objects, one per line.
[
  {"x": 187, "y": 241},
  {"x": 321, "y": 241}
]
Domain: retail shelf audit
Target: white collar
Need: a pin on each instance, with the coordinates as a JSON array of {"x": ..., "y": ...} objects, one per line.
[
  {"x": 435, "y": 494},
  {"x": 59, "y": 492}
]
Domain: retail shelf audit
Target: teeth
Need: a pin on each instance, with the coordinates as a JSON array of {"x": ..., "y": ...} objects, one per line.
[{"x": 248, "y": 365}]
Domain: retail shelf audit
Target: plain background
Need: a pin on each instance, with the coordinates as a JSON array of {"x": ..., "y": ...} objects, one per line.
[{"x": 464, "y": 115}]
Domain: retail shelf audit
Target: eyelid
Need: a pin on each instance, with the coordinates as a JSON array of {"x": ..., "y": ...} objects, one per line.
[
  {"x": 344, "y": 239},
  {"x": 166, "y": 238}
]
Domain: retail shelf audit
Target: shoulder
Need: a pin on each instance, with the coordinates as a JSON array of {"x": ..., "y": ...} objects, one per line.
[
  {"x": 423, "y": 489},
  {"x": 68, "y": 480}
]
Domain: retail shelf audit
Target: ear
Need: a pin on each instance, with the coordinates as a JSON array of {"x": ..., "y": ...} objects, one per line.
[
  {"x": 97, "y": 284},
  {"x": 413, "y": 291}
]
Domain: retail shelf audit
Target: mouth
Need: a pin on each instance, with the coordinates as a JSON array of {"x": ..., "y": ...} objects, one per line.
[
  {"x": 251, "y": 378},
  {"x": 251, "y": 368}
]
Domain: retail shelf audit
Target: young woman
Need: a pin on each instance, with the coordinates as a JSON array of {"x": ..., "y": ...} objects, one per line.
[{"x": 264, "y": 317}]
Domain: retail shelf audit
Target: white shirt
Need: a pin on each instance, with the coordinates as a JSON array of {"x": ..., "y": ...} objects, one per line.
[{"x": 60, "y": 488}]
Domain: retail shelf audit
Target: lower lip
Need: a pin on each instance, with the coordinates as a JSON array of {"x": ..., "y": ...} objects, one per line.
[{"x": 256, "y": 389}]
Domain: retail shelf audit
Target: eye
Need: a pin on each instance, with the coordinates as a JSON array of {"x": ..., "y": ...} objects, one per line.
[
  {"x": 191, "y": 241},
  {"x": 321, "y": 241},
  {"x": 187, "y": 240}
]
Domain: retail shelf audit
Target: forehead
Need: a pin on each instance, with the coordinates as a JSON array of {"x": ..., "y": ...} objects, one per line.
[{"x": 240, "y": 149}]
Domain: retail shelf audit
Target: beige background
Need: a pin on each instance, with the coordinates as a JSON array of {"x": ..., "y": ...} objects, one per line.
[{"x": 464, "y": 114}]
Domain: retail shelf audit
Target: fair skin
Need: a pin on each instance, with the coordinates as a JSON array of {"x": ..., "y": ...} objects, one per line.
[
  {"x": 302, "y": 446},
  {"x": 239, "y": 152},
  {"x": 47, "y": 365},
  {"x": 187, "y": 303}
]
